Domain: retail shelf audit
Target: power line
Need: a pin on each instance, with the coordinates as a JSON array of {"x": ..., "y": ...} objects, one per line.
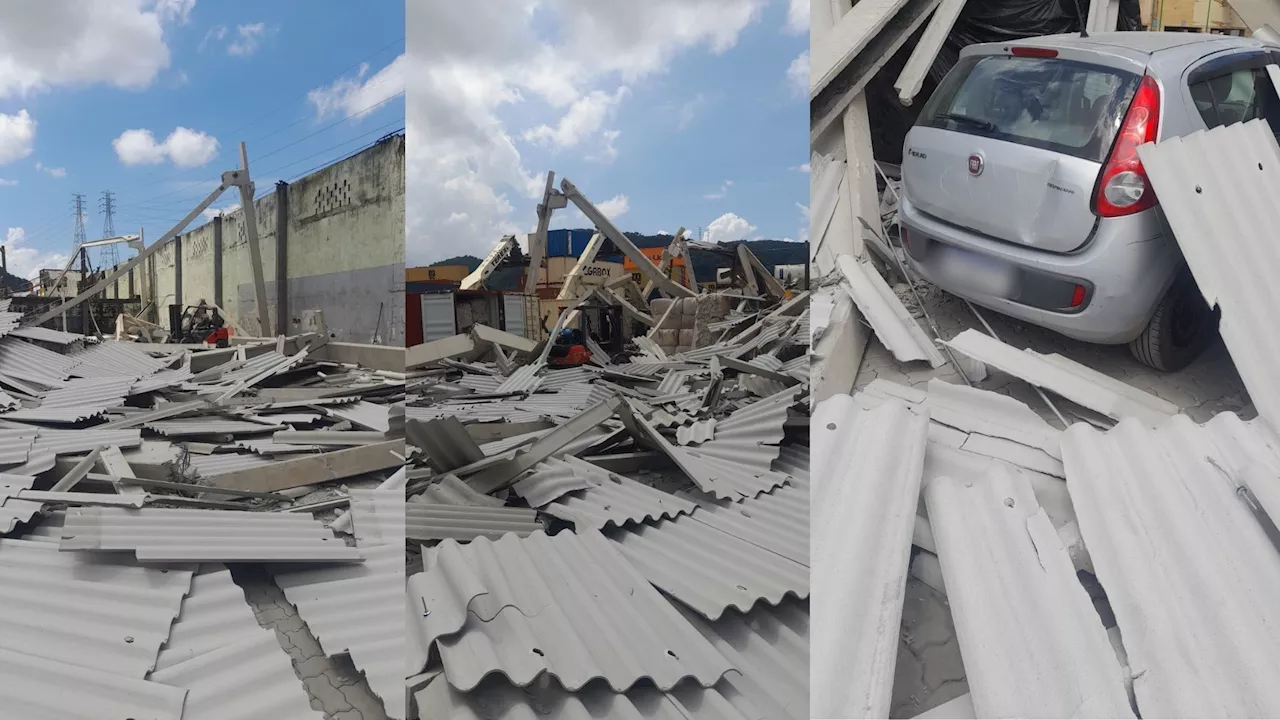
[{"x": 250, "y": 123}]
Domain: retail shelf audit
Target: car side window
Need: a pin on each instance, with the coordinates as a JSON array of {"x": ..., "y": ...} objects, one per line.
[{"x": 1244, "y": 94}]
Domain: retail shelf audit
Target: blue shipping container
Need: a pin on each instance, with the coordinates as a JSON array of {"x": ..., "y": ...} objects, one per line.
[{"x": 567, "y": 243}]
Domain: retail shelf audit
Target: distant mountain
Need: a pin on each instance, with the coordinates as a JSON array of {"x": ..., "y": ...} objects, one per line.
[{"x": 471, "y": 261}]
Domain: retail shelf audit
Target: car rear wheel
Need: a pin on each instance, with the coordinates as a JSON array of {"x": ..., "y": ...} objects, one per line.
[{"x": 1179, "y": 331}]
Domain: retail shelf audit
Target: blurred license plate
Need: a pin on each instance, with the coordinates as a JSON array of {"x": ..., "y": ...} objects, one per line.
[{"x": 977, "y": 273}]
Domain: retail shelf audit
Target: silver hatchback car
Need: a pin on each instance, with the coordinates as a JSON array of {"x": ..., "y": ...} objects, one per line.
[{"x": 1024, "y": 193}]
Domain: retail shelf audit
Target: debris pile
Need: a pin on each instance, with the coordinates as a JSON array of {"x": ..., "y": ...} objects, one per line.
[
  {"x": 628, "y": 533},
  {"x": 144, "y": 476},
  {"x": 1102, "y": 555}
]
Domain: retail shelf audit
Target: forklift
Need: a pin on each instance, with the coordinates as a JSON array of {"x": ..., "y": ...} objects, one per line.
[
  {"x": 603, "y": 323},
  {"x": 200, "y": 323}
]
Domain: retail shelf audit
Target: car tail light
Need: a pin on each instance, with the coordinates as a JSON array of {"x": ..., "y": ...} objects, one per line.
[
  {"x": 1123, "y": 186},
  {"x": 1034, "y": 52},
  {"x": 1077, "y": 296}
]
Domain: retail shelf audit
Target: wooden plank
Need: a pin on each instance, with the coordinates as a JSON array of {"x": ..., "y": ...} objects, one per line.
[{"x": 314, "y": 469}]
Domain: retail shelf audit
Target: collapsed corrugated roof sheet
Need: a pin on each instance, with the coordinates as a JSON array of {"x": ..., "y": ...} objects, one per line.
[
  {"x": 1188, "y": 568},
  {"x": 1216, "y": 188},
  {"x": 589, "y": 613}
]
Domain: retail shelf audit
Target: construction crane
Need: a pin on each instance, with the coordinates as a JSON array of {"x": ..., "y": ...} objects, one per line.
[
  {"x": 677, "y": 248},
  {"x": 495, "y": 259}
]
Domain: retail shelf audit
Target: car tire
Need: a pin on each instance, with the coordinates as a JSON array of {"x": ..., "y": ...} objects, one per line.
[{"x": 1182, "y": 326}]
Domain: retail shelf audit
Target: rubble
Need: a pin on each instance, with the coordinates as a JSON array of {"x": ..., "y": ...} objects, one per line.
[
  {"x": 1053, "y": 533},
  {"x": 131, "y": 471},
  {"x": 642, "y": 518}
]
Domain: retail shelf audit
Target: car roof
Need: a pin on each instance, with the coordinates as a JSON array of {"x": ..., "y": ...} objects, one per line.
[{"x": 1138, "y": 47}]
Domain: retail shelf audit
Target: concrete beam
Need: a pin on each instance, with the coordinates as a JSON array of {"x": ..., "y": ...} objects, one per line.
[
  {"x": 314, "y": 469},
  {"x": 501, "y": 338},
  {"x": 373, "y": 357},
  {"x": 177, "y": 270},
  {"x": 436, "y": 350}
]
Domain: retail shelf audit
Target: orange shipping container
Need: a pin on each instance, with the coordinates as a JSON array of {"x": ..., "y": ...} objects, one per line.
[{"x": 437, "y": 273}]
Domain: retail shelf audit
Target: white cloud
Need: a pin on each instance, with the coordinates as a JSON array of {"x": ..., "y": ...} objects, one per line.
[
  {"x": 248, "y": 38},
  {"x": 473, "y": 61},
  {"x": 584, "y": 118},
  {"x": 211, "y": 213},
  {"x": 355, "y": 95},
  {"x": 17, "y": 136},
  {"x": 72, "y": 42},
  {"x": 798, "y": 17},
  {"x": 217, "y": 33},
  {"x": 689, "y": 110},
  {"x": 7, "y": 183},
  {"x": 175, "y": 11},
  {"x": 798, "y": 75},
  {"x": 56, "y": 172},
  {"x": 723, "y": 191},
  {"x": 727, "y": 228},
  {"x": 25, "y": 261},
  {"x": 614, "y": 207},
  {"x": 186, "y": 148},
  {"x": 804, "y": 221},
  {"x": 803, "y": 167}
]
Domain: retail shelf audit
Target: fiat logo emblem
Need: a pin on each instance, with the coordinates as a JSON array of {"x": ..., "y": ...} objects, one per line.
[{"x": 975, "y": 165}]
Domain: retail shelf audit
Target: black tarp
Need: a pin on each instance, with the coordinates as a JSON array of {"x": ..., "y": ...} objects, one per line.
[{"x": 980, "y": 21}]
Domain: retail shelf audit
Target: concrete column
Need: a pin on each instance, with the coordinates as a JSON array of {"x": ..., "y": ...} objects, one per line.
[
  {"x": 282, "y": 258},
  {"x": 217, "y": 260},
  {"x": 177, "y": 270}
]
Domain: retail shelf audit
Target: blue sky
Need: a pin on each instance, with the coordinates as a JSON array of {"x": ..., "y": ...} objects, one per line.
[
  {"x": 670, "y": 113},
  {"x": 280, "y": 76}
]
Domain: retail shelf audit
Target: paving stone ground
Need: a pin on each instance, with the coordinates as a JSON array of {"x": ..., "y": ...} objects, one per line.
[
  {"x": 334, "y": 685},
  {"x": 929, "y": 670}
]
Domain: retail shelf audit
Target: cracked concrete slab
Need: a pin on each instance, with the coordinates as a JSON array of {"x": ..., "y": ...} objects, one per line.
[
  {"x": 334, "y": 685},
  {"x": 929, "y": 671}
]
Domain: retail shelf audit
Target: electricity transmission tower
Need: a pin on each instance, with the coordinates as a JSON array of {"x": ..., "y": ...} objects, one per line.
[
  {"x": 109, "y": 257},
  {"x": 77, "y": 211}
]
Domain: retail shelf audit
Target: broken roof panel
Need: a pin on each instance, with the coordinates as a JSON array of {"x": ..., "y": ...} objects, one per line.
[
  {"x": 769, "y": 646},
  {"x": 26, "y": 361},
  {"x": 34, "y": 687},
  {"x": 49, "y": 335},
  {"x": 523, "y": 379},
  {"x": 1217, "y": 189},
  {"x": 497, "y": 699},
  {"x": 777, "y": 521},
  {"x": 591, "y": 497},
  {"x": 214, "y": 613},
  {"x": 866, "y": 487},
  {"x": 1067, "y": 378},
  {"x": 751, "y": 435},
  {"x": 220, "y": 463},
  {"x": 426, "y": 521},
  {"x": 370, "y": 416},
  {"x": 192, "y": 427},
  {"x": 87, "y": 393},
  {"x": 708, "y": 569},
  {"x": 449, "y": 490},
  {"x": 177, "y": 535},
  {"x": 250, "y": 678},
  {"x": 1033, "y": 644},
  {"x": 110, "y": 358},
  {"x": 120, "y": 631},
  {"x": 588, "y": 613},
  {"x": 887, "y": 315},
  {"x": 69, "y": 442},
  {"x": 1189, "y": 570},
  {"x": 356, "y": 610}
]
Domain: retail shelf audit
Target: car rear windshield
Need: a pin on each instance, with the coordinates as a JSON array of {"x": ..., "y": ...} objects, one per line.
[{"x": 1065, "y": 106}]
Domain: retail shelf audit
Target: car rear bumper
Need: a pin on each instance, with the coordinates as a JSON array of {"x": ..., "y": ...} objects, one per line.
[{"x": 1125, "y": 269}]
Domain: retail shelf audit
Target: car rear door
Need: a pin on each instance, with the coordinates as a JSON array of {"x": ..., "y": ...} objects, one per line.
[
  {"x": 1011, "y": 146},
  {"x": 1232, "y": 86}
]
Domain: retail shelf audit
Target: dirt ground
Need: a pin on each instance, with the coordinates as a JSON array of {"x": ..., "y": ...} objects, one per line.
[{"x": 929, "y": 668}]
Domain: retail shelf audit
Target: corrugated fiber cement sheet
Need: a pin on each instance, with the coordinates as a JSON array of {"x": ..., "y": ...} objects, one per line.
[
  {"x": 1218, "y": 190},
  {"x": 1191, "y": 574},
  {"x": 865, "y": 487}
]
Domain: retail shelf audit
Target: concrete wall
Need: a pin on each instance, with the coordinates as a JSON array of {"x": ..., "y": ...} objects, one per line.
[{"x": 344, "y": 253}]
